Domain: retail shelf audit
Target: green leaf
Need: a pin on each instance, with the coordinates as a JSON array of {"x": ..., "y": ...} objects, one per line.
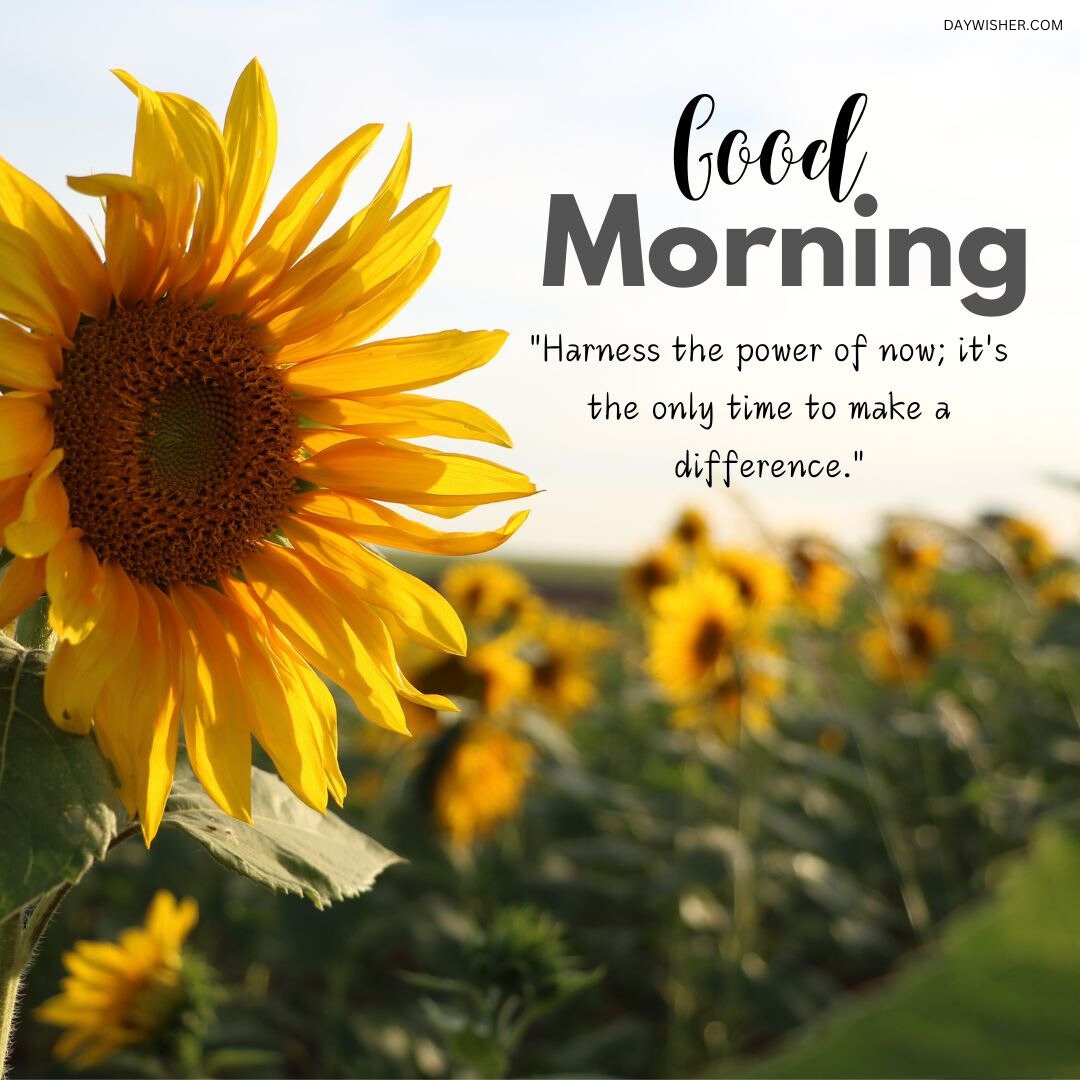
[
  {"x": 59, "y": 810},
  {"x": 291, "y": 848},
  {"x": 996, "y": 998}
]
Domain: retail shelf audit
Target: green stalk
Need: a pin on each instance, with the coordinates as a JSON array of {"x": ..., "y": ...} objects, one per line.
[
  {"x": 10, "y": 977},
  {"x": 32, "y": 628}
]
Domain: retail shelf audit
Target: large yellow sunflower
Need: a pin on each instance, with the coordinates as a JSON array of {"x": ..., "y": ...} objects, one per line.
[{"x": 196, "y": 447}]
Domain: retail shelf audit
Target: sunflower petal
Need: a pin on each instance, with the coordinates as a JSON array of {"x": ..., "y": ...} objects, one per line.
[
  {"x": 29, "y": 293},
  {"x": 250, "y": 147},
  {"x": 23, "y": 583},
  {"x": 423, "y": 613},
  {"x": 396, "y": 364},
  {"x": 405, "y": 416},
  {"x": 280, "y": 712},
  {"x": 27, "y": 361},
  {"x": 405, "y": 239},
  {"x": 293, "y": 224},
  {"x": 214, "y": 695},
  {"x": 75, "y": 580},
  {"x": 44, "y": 517},
  {"x": 28, "y": 433},
  {"x": 310, "y": 617},
  {"x": 324, "y": 264},
  {"x": 76, "y": 674},
  {"x": 67, "y": 249},
  {"x": 137, "y": 714},
  {"x": 397, "y": 472},
  {"x": 135, "y": 232},
  {"x": 378, "y": 308},
  {"x": 368, "y": 521}
]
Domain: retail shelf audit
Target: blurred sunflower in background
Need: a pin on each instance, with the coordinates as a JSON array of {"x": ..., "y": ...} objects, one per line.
[
  {"x": 762, "y": 582},
  {"x": 691, "y": 530},
  {"x": 118, "y": 994},
  {"x": 910, "y": 557},
  {"x": 905, "y": 644},
  {"x": 481, "y": 783},
  {"x": 487, "y": 594},
  {"x": 194, "y": 441},
  {"x": 819, "y": 581},
  {"x": 560, "y": 656},
  {"x": 651, "y": 572}
]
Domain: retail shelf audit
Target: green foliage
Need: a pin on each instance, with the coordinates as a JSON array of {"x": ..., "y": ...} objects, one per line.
[
  {"x": 995, "y": 998},
  {"x": 290, "y": 848},
  {"x": 59, "y": 810}
]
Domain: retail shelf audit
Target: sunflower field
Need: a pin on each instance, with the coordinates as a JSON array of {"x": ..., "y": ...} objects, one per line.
[
  {"x": 293, "y": 783},
  {"x": 781, "y": 811}
]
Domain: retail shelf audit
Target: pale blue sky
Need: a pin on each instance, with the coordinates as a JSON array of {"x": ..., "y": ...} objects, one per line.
[{"x": 509, "y": 104}]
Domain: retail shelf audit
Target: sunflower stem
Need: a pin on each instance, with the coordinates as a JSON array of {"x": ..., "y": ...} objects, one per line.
[
  {"x": 11, "y": 955},
  {"x": 32, "y": 629}
]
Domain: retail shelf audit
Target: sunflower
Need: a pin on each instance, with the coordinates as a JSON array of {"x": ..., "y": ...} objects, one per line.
[
  {"x": 762, "y": 582},
  {"x": 482, "y": 783},
  {"x": 1060, "y": 587},
  {"x": 196, "y": 447},
  {"x": 1029, "y": 544},
  {"x": 117, "y": 994},
  {"x": 910, "y": 558},
  {"x": 562, "y": 680},
  {"x": 651, "y": 572},
  {"x": 487, "y": 594},
  {"x": 691, "y": 530},
  {"x": 904, "y": 646},
  {"x": 819, "y": 581},
  {"x": 692, "y": 638},
  {"x": 743, "y": 699}
]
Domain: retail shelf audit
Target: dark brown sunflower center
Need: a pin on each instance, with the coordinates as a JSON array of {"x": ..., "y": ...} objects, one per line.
[
  {"x": 179, "y": 441},
  {"x": 710, "y": 642}
]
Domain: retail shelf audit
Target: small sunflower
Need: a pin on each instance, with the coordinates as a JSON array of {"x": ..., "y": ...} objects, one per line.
[
  {"x": 741, "y": 700},
  {"x": 819, "y": 580},
  {"x": 691, "y": 530},
  {"x": 1029, "y": 544},
  {"x": 482, "y": 783},
  {"x": 196, "y": 447},
  {"x": 487, "y": 594},
  {"x": 904, "y": 646},
  {"x": 1060, "y": 587},
  {"x": 762, "y": 583},
  {"x": 910, "y": 558},
  {"x": 118, "y": 994},
  {"x": 562, "y": 679},
  {"x": 693, "y": 635},
  {"x": 653, "y": 571}
]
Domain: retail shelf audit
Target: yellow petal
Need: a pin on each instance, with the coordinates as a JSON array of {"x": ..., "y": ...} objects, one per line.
[
  {"x": 67, "y": 249},
  {"x": 293, "y": 224},
  {"x": 405, "y": 240},
  {"x": 425, "y": 614},
  {"x": 335, "y": 256},
  {"x": 380, "y": 525},
  {"x": 20, "y": 587},
  {"x": 396, "y": 364},
  {"x": 379, "y": 307},
  {"x": 160, "y": 163},
  {"x": 405, "y": 416},
  {"x": 27, "y": 361},
  {"x": 201, "y": 144},
  {"x": 397, "y": 472},
  {"x": 250, "y": 146},
  {"x": 29, "y": 293},
  {"x": 135, "y": 232},
  {"x": 217, "y": 737},
  {"x": 308, "y": 615},
  {"x": 75, "y": 580},
  {"x": 12, "y": 496},
  {"x": 77, "y": 673},
  {"x": 137, "y": 714},
  {"x": 279, "y": 712},
  {"x": 27, "y": 433},
  {"x": 44, "y": 517}
]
